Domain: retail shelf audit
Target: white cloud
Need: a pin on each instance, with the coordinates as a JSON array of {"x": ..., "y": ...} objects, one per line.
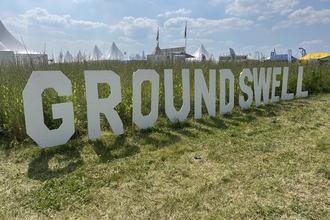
[
  {"x": 203, "y": 26},
  {"x": 42, "y": 18},
  {"x": 307, "y": 16},
  {"x": 262, "y": 48},
  {"x": 286, "y": 11},
  {"x": 248, "y": 47},
  {"x": 180, "y": 11},
  {"x": 245, "y": 7},
  {"x": 264, "y": 17},
  {"x": 130, "y": 24},
  {"x": 311, "y": 42},
  {"x": 131, "y": 41},
  {"x": 310, "y": 16},
  {"x": 226, "y": 43},
  {"x": 221, "y": 1},
  {"x": 196, "y": 40},
  {"x": 277, "y": 47}
]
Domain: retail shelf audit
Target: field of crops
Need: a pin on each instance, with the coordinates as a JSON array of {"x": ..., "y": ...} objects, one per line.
[{"x": 13, "y": 79}]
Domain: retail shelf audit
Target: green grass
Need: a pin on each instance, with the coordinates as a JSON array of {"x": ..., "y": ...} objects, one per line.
[
  {"x": 270, "y": 162},
  {"x": 13, "y": 79}
]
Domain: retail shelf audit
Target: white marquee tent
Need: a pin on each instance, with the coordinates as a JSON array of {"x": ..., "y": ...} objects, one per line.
[
  {"x": 113, "y": 53},
  {"x": 96, "y": 54},
  {"x": 3, "y": 47},
  {"x": 9, "y": 43},
  {"x": 68, "y": 57},
  {"x": 79, "y": 57},
  {"x": 202, "y": 52}
]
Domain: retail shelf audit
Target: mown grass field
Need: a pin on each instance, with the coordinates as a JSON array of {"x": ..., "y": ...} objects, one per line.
[{"x": 270, "y": 162}]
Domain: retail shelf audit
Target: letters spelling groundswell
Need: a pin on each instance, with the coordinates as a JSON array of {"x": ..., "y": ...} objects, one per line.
[{"x": 40, "y": 80}]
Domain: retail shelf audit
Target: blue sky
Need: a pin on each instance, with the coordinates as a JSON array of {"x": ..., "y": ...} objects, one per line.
[{"x": 246, "y": 26}]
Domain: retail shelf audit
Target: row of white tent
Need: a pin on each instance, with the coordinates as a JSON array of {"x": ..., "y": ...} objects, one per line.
[{"x": 113, "y": 53}]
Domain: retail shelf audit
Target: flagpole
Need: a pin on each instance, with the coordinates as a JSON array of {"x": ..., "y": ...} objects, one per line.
[
  {"x": 185, "y": 38},
  {"x": 157, "y": 37}
]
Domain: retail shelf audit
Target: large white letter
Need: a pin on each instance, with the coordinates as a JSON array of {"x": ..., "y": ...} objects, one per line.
[
  {"x": 171, "y": 112},
  {"x": 33, "y": 110},
  {"x": 202, "y": 91},
  {"x": 138, "y": 78},
  {"x": 95, "y": 106},
  {"x": 286, "y": 96},
  {"x": 226, "y": 74},
  {"x": 246, "y": 89},
  {"x": 276, "y": 71},
  {"x": 300, "y": 94},
  {"x": 263, "y": 85}
]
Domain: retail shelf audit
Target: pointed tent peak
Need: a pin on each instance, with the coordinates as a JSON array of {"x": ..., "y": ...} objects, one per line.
[
  {"x": 79, "y": 56},
  {"x": 68, "y": 57},
  {"x": 114, "y": 47},
  {"x": 202, "y": 52},
  {"x": 96, "y": 48},
  {"x": 96, "y": 54},
  {"x": 113, "y": 53},
  {"x": 79, "y": 53},
  {"x": 11, "y": 43}
]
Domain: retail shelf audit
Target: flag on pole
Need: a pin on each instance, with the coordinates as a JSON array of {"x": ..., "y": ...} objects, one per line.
[
  {"x": 157, "y": 38},
  {"x": 185, "y": 31}
]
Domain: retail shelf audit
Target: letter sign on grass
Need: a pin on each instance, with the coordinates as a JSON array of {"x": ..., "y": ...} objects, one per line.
[
  {"x": 202, "y": 91},
  {"x": 34, "y": 114},
  {"x": 95, "y": 106},
  {"x": 138, "y": 78},
  {"x": 171, "y": 112}
]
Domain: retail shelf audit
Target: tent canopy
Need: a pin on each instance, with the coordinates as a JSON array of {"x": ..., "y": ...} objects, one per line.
[
  {"x": 68, "y": 57},
  {"x": 96, "y": 54},
  {"x": 325, "y": 58},
  {"x": 79, "y": 56},
  {"x": 113, "y": 53},
  {"x": 3, "y": 47},
  {"x": 314, "y": 56},
  {"x": 11, "y": 43},
  {"x": 201, "y": 51}
]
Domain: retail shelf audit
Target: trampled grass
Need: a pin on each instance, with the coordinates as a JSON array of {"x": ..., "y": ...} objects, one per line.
[{"x": 270, "y": 162}]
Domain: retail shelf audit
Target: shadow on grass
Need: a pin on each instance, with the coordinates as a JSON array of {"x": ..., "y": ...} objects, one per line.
[
  {"x": 266, "y": 111},
  {"x": 214, "y": 122},
  {"x": 107, "y": 150},
  {"x": 40, "y": 169},
  {"x": 159, "y": 137}
]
